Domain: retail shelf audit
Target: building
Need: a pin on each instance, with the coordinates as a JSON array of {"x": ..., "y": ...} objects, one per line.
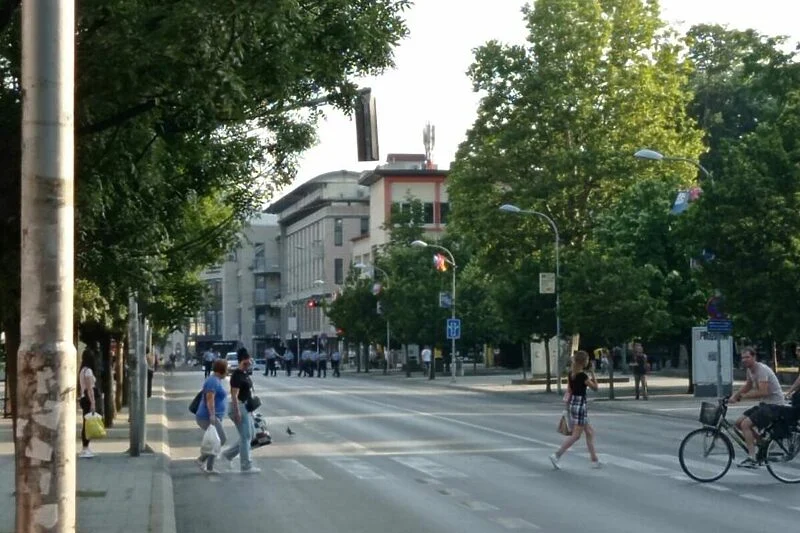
[
  {"x": 318, "y": 221},
  {"x": 244, "y": 306},
  {"x": 403, "y": 177}
]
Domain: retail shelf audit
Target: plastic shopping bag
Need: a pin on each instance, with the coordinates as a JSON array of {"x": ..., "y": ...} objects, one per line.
[
  {"x": 211, "y": 445},
  {"x": 563, "y": 424},
  {"x": 93, "y": 422}
]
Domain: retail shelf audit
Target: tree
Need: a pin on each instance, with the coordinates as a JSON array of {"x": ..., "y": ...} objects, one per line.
[
  {"x": 169, "y": 126},
  {"x": 612, "y": 297},
  {"x": 563, "y": 114},
  {"x": 749, "y": 220}
]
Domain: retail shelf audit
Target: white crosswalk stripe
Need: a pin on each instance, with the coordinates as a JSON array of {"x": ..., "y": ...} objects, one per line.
[
  {"x": 293, "y": 470},
  {"x": 358, "y": 468},
  {"x": 428, "y": 467}
]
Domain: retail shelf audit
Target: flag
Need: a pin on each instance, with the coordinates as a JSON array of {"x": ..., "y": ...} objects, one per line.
[{"x": 440, "y": 262}]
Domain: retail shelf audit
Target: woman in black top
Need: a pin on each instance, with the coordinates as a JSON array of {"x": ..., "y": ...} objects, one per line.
[
  {"x": 241, "y": 391},
  {"x": 579, "y": 381}
]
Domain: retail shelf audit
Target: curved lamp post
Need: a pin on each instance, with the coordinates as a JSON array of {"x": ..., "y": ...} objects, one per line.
[
  {"x": 362, "y": 267},
  {"x": 652, "y": 155},
  {"x": 509, "y": 208},
  {"x": 452, "y": 261}
]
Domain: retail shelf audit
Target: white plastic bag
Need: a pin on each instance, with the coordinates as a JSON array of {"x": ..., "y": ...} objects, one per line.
[{"x": 211, "y": 445}]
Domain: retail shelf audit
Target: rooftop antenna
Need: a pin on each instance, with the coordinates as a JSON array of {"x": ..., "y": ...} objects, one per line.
[{"x": 429, "y": 140}]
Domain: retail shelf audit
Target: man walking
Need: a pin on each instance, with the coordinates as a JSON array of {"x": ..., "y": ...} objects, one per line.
[
  {"x": 288, "y": 359},
  {"x": 208, "y": 360},
  {"x": 336, "y": 360},
  {"x": 426, "y": 359}
]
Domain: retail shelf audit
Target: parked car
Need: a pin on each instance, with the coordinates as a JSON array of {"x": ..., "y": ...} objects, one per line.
[{"x": 233, "y": 361}]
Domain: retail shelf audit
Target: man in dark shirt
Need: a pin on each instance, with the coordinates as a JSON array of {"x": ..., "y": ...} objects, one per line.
[
  {"x": 639, "y": 368},
  {"x": 241, "y": 392}
]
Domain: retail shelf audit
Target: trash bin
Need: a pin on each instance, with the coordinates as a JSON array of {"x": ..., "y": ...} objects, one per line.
[{"x": 460, "y": 366}]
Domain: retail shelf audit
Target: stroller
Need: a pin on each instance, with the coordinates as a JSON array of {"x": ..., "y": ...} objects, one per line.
[{"x": 262, "y": 436}]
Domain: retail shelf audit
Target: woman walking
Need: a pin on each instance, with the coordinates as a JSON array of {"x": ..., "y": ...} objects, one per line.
[
  {"x": 579, "y": 381},
  {"x": 212, "y": 410},
  {"x": 88, "y": 401},
  {"x": 241, "y": 393}
]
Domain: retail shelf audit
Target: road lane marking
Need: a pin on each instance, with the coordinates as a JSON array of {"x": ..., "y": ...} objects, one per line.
[
  {"x": 755, "y": 498},
  {"x": 637, "y": 466},
  {"x": 292, "y": 470},
  {"x": 357, "y": 468},
  {"x": 475, "y": 505},
  {"x": 697, "y": 465},
  {"x": 455, "y": 493},
  {"x": 428, "y": 467},
  {"x": 514, "y": 523}
]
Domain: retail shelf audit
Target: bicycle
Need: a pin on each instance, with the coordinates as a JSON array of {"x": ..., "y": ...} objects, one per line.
[{"x": 777, "y": 446}]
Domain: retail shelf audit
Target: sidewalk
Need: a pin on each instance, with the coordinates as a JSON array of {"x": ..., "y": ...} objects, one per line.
[
  {"x": 667, "y": 394},
  {"x": 115, "y": 493}
]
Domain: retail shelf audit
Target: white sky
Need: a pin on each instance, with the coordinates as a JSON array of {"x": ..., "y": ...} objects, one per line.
[{"x": 429, "y": 82}]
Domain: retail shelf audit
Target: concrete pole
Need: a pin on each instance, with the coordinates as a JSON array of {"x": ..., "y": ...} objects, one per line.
[
  {"x": 453, "y": 316},
  {"x": 46, "y": 360},
  {"x": 141, "y": 361},
  {"x": 135, "y": 437}
]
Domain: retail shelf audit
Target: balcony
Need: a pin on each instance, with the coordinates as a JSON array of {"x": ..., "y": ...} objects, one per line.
[
  {"x": 260, "y": 297},
  {"x": 263, "y": 265}
]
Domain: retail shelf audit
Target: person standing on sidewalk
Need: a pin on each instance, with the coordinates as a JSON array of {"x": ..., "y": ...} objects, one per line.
[
  {"x": 151, "y": 368},
  {"x": 212, "y": 410},
  {"x": 88, "y": 401},
  {"x": 579, "y": 381},
  {"x": 426, "y": 359},
  {"x": 241, "y": 392},
  {"x": 288, "y": 359},
  {"x": 640, "y": 369},
  {"x": 336, "y": 360},
  {"x": 208, "y": 360}
]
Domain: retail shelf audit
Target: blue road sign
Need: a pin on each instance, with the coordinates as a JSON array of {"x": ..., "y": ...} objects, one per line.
[
  {"x": 453, "y": 328},
  {"x": 719, "y": 325}
]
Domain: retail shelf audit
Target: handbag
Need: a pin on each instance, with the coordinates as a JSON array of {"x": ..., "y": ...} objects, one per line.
[
  {"x": 252, "y": 403},
  {"x": 195, "y": 405},
  {"x": 93, "y": 425},
  {"x": 563, "y": 424}
]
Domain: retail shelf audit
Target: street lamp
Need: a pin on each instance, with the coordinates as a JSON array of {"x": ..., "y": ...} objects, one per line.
[
  {"x": 452, "y": 261},
  {"x": 508, "y": 208},
  {"x": 319, "y": 283},
  {"x": 652, "y": 155},
  {"x": 656, "y": 156},
  {"x": 362, "y": 266}
]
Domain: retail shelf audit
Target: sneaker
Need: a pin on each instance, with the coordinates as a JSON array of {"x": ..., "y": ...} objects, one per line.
[
  {"x": 213, "y": 471},
  {"x": 748, "y": 462},
  {"x": 252, "y": 470},
  {"x": 86, "y": 453},
  {"x": 597, "y": 465},
  {"x": 554, "y": 460},
  {"x": 200, "y": 464}
]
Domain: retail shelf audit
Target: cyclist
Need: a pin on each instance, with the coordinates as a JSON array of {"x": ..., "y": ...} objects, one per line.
[{"x": 763, "y": 384}]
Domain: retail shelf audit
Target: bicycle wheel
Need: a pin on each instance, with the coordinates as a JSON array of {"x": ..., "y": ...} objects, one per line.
[
  {"x": 783, "y": 459},
  {"x": 705, "y": 454}
]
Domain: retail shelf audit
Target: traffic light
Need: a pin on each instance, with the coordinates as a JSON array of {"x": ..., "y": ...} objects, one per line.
[
  {"x": 366, "y": 126},
  {"x": 440, "y": 262},
  {"x": 313, "y": 302}
]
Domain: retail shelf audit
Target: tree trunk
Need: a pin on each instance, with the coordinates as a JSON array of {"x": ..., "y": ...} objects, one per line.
[
  {"x": 109, "y": 411},
  {"x": 524, "y": 377},
  {"x": 120, "y": 391}
]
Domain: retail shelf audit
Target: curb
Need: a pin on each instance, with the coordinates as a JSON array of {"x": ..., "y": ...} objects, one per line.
[{"x": 162, "y": 499}]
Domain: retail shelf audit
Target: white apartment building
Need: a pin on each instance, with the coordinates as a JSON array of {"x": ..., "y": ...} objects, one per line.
[
  {"x": 318, "y": 221},
  {"x": 244, "y": 309}
]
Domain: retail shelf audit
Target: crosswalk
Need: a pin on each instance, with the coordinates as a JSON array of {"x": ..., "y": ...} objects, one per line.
[{"x": 462, "y": 466}]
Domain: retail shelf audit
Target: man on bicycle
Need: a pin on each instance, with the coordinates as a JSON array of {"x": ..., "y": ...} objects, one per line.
[{"x": 763, "y": 384}]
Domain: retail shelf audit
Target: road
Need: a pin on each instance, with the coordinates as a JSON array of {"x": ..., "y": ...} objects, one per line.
[{"x": 380, "y": 455}]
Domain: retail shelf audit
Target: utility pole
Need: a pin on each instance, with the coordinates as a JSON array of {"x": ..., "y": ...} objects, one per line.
[{"x": 46, "y": 360}]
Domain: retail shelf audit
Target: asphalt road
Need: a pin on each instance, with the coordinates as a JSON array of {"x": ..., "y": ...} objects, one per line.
[{"x": 372, "y": 455}]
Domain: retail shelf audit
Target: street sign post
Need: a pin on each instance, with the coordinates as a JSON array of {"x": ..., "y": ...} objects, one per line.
[
  {"x": 453, "y": 329},
  {"x": 445, "y": 300},
  {"x": 720, "y": 325},
  {"x": 547, "y": 283}
]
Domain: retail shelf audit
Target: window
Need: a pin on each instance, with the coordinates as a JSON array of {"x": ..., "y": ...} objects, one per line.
[
  {"x": 427, "y": 213},
  {"x": 261, "y": 282},
  {"x": 337, "y": 232},
  {"x": 444, "y": 211},
  {"x": 364, "y": 226},
  {"x": 338, "y": 271}
]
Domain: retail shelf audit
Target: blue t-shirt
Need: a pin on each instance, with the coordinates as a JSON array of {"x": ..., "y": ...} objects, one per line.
[{"x": 213, "y": 384}]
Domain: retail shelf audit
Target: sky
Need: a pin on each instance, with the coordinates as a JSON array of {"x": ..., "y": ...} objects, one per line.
[{"x": 429, "y": 82}]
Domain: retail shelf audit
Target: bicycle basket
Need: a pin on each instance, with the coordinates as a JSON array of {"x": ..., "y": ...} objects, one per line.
[{"x": 710, "y": 413}]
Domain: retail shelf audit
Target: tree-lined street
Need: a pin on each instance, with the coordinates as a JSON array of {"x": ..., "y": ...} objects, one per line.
[{"x": 382, "y": 454}]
